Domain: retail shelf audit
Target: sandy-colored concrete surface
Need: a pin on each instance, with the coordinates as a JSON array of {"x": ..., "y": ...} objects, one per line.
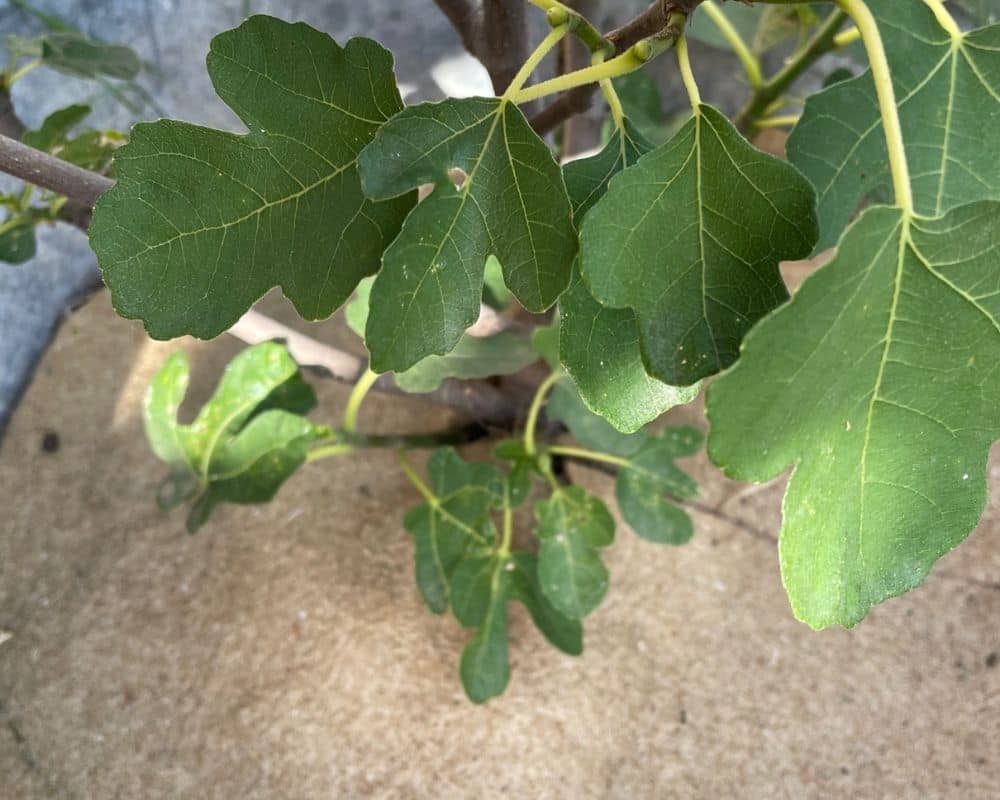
[{"x": 284, "y": 651}]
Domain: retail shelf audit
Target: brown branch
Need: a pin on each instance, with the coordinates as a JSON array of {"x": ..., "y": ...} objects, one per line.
[
  {"x": 10, "y": 122},
  {"x": 504, "y": 40},
  {"x": 650, "y": 22},
  {"x": 51, "y": 173},
  {"x": 464, "y": 17}
]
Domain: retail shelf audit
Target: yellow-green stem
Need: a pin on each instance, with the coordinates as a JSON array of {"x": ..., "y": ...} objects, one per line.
[
  {"x": 611, "y": 95},
  {"x": 330, "y": 451},
  {"x": 844, "y": 38},
  {"x": 508, "y": 528},
  {"x": 872, "y": 38},
  {"x": 536, "y": 407},
  {"x": 684, "y": 59},
  {"x": 944, "y": 18},
  {"x": 587, "y": 455},
  {"x": 788, "y": 121},
  {"x": 357, "y": 397},
  {"x": 415, "y": 479},
  {"x": 20, "y": 73},
  {"x": 553, "y": 38},
  {"x": 751, "y": 64}
]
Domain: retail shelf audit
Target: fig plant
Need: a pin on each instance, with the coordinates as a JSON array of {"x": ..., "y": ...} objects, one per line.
[{"x": 647, "y": 270}]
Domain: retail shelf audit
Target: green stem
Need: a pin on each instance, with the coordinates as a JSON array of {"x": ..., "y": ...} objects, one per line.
[
  {"x": 872, "y": 38},
  {"x": 508, "y": 527},
  {"x": 944, "y": 18},
  {"x": 611, "y": 95},
  {"x": 687, "y": 75},
  {"x": 553, "y": 38},
  {"x": 357, "y": 397},
  {"x": 629, "y": 61},
  {"x": 415, "y": 479},
  {"x": 330, "y": 451},
  {"x": 20, "y": 73},
  {"x": 536, "y": 407},
  {"x": 822, "y": 42},
  {"x": 789, "y": 121},
  {"x": 587, "y": 455},
  {"x": 751, "y": 64},
  {"x": 845, "y": 38}
]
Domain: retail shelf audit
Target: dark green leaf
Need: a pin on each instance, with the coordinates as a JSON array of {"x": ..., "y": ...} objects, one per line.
[
  {"x": 522, "y": 470},
  {"x": 202, "y": 223},
  {"x": 983, "y": 11},
  {"x": 562, "y": 632},
  {"x": 948, "y": 104},
  {"x": 643, "y": 105},
  {"x": 17, "y": 239},
  {"x": 879, "y": 383},
  {"x": 648, "y": 486},
  {"x": 483, "y": 586},
  {"x": 93, "y": 150},
  {"x": 457, "y": 525},
  {"x": 599, "y": 346},
  {"x": 573, "y": 526},
  {"x": 690, "y": 238},
  {"x": 244, "y": 443},
  {"x": 512, "y": 205},
  {"x": 76, "y": 54}
]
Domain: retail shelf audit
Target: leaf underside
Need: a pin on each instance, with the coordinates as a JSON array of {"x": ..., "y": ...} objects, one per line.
[
  {"x": 690, "y": 238},
  {"x": 949, "y": 106},
  {"x": 512, "y": 205},
  {"x": 202, "y": 223},
  {"x": 878, "y": 382}
]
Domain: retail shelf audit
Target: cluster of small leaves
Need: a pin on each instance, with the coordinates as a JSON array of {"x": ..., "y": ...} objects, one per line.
[
  {"x": 70, "y": 52},
  {"x": 876, "y": 380}
]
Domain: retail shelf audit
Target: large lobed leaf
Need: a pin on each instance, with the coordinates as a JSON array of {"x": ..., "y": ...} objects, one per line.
[
  {"x": 511, "y": 205},
  {"x": 879, "y": 383},
  {"x": 690, "y": 238},
  {"x": 599, "y": 346},
  {"x": 949, "y": 106},
  {"x": 202, "y": 223}
]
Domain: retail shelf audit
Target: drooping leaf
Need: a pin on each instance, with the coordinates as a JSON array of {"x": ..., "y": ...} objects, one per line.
[
  {"x": 512, "y": 205},
  {"x": 648, "y": 487},
  {"x": 202, "y": 223},
  {"x": 503, "y": 353},
  {"x": 17, "y": 239},
  {"x": 573, "y": 526},
  {"x": 949, "y": 104},
  {"x": 74, "y": 53},
  {"x": 480, "y": 589},
  {"x": 564, "y": 633},
  {"x": 879, "y": 383},
  {"x": 458, "y": 524},
  {"x": 599, "y": 346},
  {"x": 473, "y": 357},
  {"x": 244, "y": 443},
  {"x": 690, "y": 238}
]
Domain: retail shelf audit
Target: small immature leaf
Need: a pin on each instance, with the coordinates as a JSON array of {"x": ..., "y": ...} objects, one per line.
[
  {"x": 74, "y": 53},
  {"x": 458, "y": 524},
  {"x": 202, "y": 223},
  {"x": 245, "y": 442},
  {"x": 690, "y": 238},
  {"x": 573, "y": 526},
  {"x": 647, "y": 486},
  {"x": 879, "y": 383},
  {"x": 599, "y": 346},
  {"x": 54, "y": 130},
  {"x": 564, "y": 633},
  {"x": 480, "y": 590},
  {"x": 17, "y": 239},
  {"x": 512, "y": 205},
  {"x": 949, "y": 105},
  {"x": 523, "y": 468}
]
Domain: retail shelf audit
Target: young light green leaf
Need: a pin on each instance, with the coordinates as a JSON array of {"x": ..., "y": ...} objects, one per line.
[
  {"x": 55, "y": 128},
  {"x": 456, "y": 525},
  {"x": 647, "y": 486},
  {"x": 473, "y": 357},
  {"x": 480, "y": 589},
  {"x": 599, "y": 346},
  {"x": 245, "y": 442},
  {"x": 677, "y": 238},
  {"x": 878, "y": 383},
  {"x": 512, "y": 205},
  {"x": 839, "y": 143},
  {"x": 573, "y": 526},
  {"x": 564, "y": 633},
  {"x": 203, "y": 223},
  {"x": 17, "y": 239}
]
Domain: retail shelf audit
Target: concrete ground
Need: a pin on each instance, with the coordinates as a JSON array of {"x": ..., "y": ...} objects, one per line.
[{"x": 284, "y": 652}]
